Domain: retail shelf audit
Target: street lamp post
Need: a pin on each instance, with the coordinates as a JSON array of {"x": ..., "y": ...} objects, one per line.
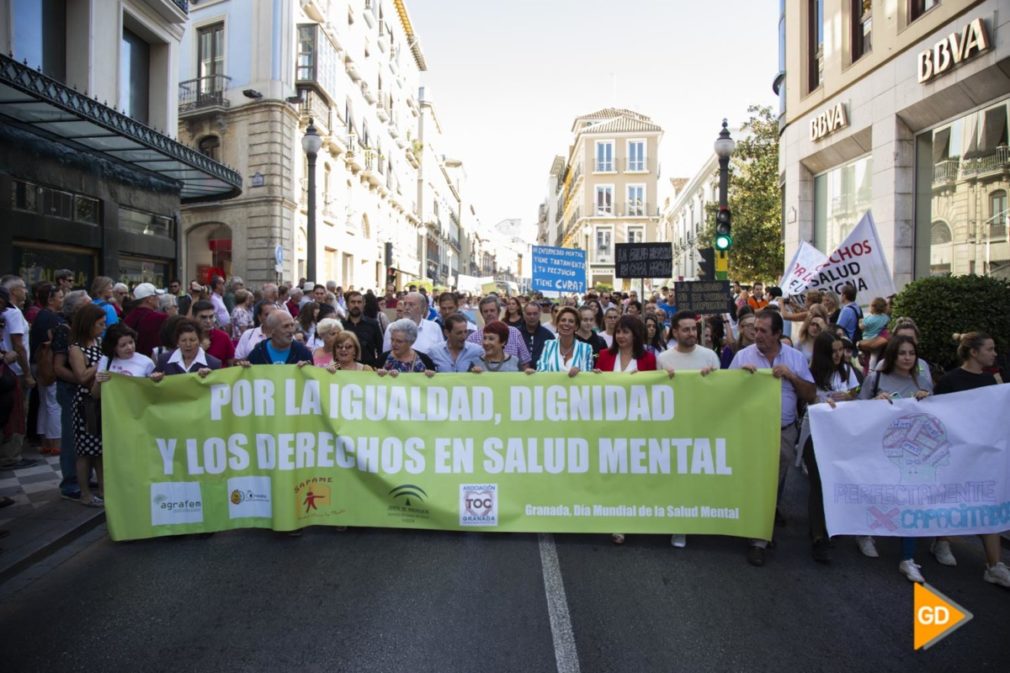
[
  {"x": 311, "y": 143},
  {"x": 724, "y": 147}
]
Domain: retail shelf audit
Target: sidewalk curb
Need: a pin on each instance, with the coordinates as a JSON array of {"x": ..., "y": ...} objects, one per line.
[{"x": 14, "y": 561}]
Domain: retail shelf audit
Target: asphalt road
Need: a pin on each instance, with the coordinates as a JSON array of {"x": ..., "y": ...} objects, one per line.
[{"x": 392, "y": 600}]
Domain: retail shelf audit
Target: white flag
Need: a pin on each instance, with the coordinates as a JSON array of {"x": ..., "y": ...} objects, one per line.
[
  {"x": 858, "y": 261},
  {"x": 803, "y": 266}
]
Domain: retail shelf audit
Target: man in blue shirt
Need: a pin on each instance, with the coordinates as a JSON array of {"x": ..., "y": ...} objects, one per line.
[
  {"x": 848, "y": 317},
  {"x": 456, "y": 354},
  {"x": 280, "y": 348},
  {"x": 789, "y": 366}
]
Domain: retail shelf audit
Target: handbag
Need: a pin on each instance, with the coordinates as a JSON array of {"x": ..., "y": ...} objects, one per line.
[
  {"x": 91, "y": 407},
  {"x": 45, "y": 372}
]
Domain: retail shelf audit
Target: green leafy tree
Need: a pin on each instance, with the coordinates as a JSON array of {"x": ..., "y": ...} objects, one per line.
[
  {"x": 944, "y": 305},
  {"x": 755, "y": 201}
]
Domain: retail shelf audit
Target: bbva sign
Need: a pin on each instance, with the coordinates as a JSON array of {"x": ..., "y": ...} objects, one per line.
[
  {"x": 828, "y": 121},
  {"x": 953, "y": 50}
]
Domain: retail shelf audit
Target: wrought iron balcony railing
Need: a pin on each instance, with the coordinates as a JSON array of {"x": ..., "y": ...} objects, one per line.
[{"x": 203, "y": 92}]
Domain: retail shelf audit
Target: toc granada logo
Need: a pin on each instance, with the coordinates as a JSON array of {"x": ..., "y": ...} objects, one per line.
[
  {"x": 478, "y": 504},
  {"x": 176, "y": 502}
]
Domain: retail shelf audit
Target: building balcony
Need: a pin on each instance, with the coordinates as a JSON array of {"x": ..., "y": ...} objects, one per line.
[
  {"x": 996, "y": 160},
  {"x": 203, "y": 94},
  {"x": 368, "y": 93},
  {"x": 945, "y": 172}
]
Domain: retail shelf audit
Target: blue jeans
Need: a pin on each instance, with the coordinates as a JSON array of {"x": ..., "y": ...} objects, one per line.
[
  {"x": 908, "y": 545},
  {"x": 68, "y": 452}
]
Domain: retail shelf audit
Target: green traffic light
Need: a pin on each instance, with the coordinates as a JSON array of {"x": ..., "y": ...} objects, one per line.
[{"x": 723, "y": 242}]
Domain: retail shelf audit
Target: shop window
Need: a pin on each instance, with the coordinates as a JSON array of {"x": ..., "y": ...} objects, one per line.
[
  {"x": 841, "y": 197},
  {"x": 25, "y": 196},
  {"x": 57, "y": 203},
  {"x": 961, "y": 195},
  {"x": 135, "y": 76},
  {"x": 86, "y": 209},
  {"x": 146, "y": 224}
]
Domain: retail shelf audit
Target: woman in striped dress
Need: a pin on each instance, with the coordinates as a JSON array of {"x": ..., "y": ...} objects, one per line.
[{"x": 566, "y": 353}]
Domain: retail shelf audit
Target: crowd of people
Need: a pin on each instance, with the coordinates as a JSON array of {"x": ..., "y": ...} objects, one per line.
[{"x": 60, "y": 344}]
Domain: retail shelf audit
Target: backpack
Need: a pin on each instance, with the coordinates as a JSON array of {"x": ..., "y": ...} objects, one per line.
[{"x": 857, "y": 334}]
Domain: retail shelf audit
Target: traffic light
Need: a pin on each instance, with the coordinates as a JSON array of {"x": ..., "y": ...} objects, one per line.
[
  {"x": 723, "y": 230},
  {"x": 706, "y": 267}
]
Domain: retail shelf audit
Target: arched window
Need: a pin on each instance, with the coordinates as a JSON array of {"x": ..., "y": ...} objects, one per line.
[
  {"x": 940, "y": 233},
  {"x": 210, "y": 146},
  {"x": 998, "y": 214},
  {"x": 366, "y": 229}
]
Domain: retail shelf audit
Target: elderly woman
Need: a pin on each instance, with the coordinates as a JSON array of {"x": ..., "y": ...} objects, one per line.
[
  {"x": 401, "y": 357},
  {"x": 347, "y": 351},
  {"x": 495, "y": 359},
  {"x": 168, "y": 303},
  {"x": 327, "y": 330},
  {"x": 188, "y": 356}
]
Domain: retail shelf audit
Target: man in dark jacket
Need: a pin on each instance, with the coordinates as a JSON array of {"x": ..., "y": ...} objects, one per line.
[
  {"x": 281, "y": 348},
  {"x": 366, "y": 329}
]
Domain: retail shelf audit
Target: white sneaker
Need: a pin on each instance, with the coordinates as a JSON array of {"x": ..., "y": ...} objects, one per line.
[
  {"x": 941, "y": 550},
  {"x": 867, "y": 546},
  {"x": 679, "y": 541},
  {"x": 910, "y": 569},
  {"x": 998, "y": 574}
]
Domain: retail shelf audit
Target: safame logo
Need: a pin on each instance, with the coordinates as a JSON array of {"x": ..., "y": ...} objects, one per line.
[
  {"x": 313, "y": 497},
  {"x": 407, "y": 502}
]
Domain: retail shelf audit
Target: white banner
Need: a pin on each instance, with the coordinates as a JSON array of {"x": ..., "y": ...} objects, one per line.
[
  {"x": 804, "y": 262},
  {"x": 915, "y": 469},
  {"x": 859, "y": 260}
]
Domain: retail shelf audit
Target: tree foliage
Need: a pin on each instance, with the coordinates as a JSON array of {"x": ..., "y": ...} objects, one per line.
[
  {"x": 944, "y": 305},
  {"x": 755, "y": 202}
]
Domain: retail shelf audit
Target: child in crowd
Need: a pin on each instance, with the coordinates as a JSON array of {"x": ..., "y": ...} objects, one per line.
[{"x": 873, "y": 324}]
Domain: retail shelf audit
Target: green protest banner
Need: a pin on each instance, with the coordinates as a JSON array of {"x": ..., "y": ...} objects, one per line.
[{"x": 281, "y": 447}]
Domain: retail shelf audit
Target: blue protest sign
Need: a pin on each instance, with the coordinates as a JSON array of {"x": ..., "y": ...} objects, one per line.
[{"x": 559, "y": 269}]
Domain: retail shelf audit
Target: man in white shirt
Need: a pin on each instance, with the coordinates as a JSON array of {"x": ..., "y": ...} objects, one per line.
[
  {"x": 429, "y": 333},
  {"x": 686, "y": 354},
  {"x": 15, "y": 341},
  {"x": 217, "y": 299}
]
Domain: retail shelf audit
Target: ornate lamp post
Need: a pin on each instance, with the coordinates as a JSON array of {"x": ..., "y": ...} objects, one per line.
[{"x": 311, "y": 143}]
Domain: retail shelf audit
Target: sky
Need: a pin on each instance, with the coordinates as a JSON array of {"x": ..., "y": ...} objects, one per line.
[{"x": 508, "y": 77}]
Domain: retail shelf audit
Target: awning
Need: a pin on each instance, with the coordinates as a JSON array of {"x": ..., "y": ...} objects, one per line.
[
  {"x": 994, "y": 131},
  {"x": 32, "y": 100},
  {"x": 941, "y": 145}
]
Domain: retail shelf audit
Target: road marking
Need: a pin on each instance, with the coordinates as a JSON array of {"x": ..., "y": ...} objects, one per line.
[{"x": 557, "y": 606}]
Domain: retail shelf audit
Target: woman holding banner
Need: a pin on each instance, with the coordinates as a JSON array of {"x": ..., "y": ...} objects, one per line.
[
  {"x": 626, "y": 355},
  {"x": 495, "y": 359},
  {"x": 836, "y": 381},
  {"x": 566, "y": 353},
  {"x": 977, "y": 352},
  {"x": 188, "y": 356},
  {"x": 401, "y": 358},
  {"x": 897, "y": 377}
]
